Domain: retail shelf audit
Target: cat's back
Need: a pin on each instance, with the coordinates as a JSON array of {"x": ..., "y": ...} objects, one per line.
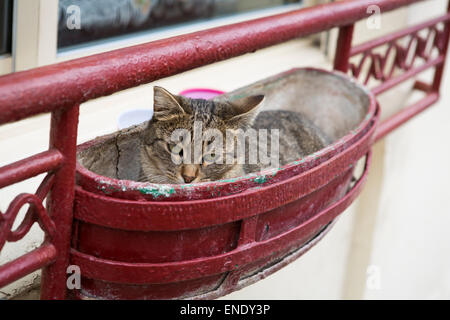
[{"x": 298, "y": 136}]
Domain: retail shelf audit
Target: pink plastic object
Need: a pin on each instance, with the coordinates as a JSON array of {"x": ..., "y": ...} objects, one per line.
[{"x": 201, "y": 93}]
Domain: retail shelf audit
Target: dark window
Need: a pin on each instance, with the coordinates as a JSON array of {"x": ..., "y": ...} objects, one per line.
[
  {"x": 6, "y": 12},
  {"x": 82, "y": 21}
]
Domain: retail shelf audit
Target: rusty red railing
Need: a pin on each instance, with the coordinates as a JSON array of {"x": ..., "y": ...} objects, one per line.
[{"x": 61, "y": 88}]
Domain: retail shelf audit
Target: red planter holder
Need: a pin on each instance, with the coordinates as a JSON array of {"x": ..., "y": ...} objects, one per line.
[{"x": 206, "y": 240}]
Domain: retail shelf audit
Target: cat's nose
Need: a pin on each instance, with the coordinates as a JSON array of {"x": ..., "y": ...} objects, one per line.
[
  {"x": 189, "y": 173},
  {"x": 188, "y": 179}
]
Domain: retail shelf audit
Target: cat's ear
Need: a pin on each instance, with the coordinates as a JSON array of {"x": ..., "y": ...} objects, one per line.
[
  {"x": 244, "y": 111},
  {"x": 165, "y": 105}
]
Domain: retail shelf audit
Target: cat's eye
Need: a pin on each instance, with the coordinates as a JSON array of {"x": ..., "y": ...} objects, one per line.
[
  {"x": 209, "y": 158},
  {"x": 175, "y": 149}
]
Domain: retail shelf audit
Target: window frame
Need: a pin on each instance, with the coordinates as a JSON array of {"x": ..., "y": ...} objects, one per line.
[
  {"x": 118, "y": 42},
  {"x": 38, "y": 19},
  {"x": 6, "y": 60},
  {"x": 175, "y": 26},
  {"x": 6, "y": 12}
]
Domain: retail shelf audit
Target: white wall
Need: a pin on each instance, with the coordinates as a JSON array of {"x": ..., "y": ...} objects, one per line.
[{"x": 411, "y": 240}]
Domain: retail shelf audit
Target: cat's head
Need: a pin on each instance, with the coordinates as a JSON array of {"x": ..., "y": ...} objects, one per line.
[{"x": 163, "y": 159}]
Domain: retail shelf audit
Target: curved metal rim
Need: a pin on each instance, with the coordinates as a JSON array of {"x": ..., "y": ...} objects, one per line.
[{"x": 221, "y": 291}]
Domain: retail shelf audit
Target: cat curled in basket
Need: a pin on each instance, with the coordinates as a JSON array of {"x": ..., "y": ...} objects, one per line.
[{"x": 195, "y": 140}]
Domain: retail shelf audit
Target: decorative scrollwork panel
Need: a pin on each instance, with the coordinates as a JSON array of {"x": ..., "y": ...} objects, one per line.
[
  {"x": 35, "y": 213},
  {"x": 385, "y": 61}
]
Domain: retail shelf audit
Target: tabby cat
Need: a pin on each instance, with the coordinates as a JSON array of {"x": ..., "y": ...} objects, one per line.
[{"x": 298, "y": 137}]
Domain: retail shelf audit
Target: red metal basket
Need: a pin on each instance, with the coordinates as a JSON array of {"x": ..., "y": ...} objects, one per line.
[{"x": 205, "y": 240}]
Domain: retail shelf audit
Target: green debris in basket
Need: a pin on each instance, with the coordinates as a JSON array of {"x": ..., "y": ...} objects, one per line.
[{"x": 163, "y": 191}]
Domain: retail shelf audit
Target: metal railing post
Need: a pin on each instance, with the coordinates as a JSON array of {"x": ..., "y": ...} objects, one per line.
[
  {"x": 63, "y": 137},
  {"x": 343, "y": 48}
]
